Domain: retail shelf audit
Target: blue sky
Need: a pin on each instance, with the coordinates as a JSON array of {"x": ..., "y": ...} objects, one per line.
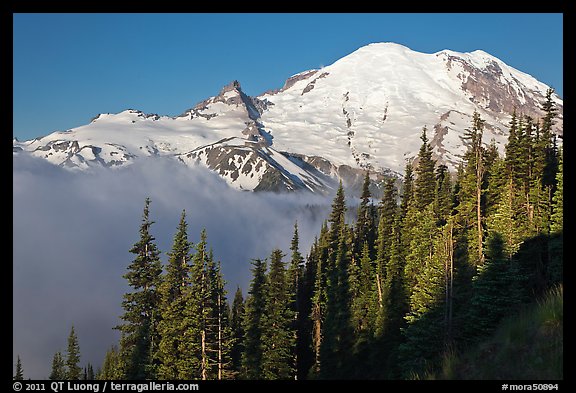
[{"x": 70, "y": 67}]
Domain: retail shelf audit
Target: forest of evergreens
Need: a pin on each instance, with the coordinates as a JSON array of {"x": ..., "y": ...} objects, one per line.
[{"x": 432, "y": 268}]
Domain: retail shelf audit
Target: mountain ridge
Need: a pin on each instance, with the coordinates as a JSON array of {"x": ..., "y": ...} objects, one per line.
[{"x": 364, "y": 111}]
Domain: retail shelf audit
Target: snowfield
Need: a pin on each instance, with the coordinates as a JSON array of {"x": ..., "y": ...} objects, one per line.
[{"x": 365, "y": 111}]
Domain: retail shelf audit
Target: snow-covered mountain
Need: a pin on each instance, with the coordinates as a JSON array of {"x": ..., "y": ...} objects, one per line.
[{"x": 366, "y": 110}]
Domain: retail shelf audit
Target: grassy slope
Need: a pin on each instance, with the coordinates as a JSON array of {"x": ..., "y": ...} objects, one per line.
[{"x": 525, "y": 346}]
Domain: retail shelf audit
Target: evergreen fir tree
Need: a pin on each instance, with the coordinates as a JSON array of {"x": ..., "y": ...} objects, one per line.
[
  {"x": 207, "y": 344},
  {"x": 556, "y": 249},
  {"x": 472, "y": 188},
  {"x": 299, "y": 307},
  {"x": 443, "y": 197},
  {"x": 253, "y": 323},
  {"x": 494, "y": 288},
  {"x": 337, "y": 330},
  {"x": 388, "y": 210},
  {"x": 171, "y": 326},
  {"x": 73, "y": 370},
  {"x": 19, "y": 376},
  {"x": 139, "y": 331},
  {"x": 425, "y": 331},
  {"x": 236, "y": 324},
  {"x": 278, "y": 339},
  {"x": 407, "y": 189},
  {"x": 495, "y": 179},
  {"x": 363, "y": 311},
  {"x": 548, "y": 141},
  {"x": 58, "y": 367},
  {"x": 557, "y": 219},
  {"x": 111, "y": 368},
  {"x": 318, "y": 265},
  {"x": 336, "y": 220},
  {"x": 90, "y": 372},
  {"x": 424, "y": 189},
  {"x": 366, "y": 221},
  {"x": 390, "y": 317},
  {"x": 219, "y": 333}
]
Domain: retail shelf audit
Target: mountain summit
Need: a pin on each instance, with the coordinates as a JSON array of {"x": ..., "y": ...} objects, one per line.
[{"x": 365, "y": 111}]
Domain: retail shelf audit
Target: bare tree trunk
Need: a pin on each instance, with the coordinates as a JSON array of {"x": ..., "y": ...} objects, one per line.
[
  {"x": 219, "y": 337},
  {"x": 204, "y": 356},
  {"x": 317, "y": 336},
  {"x": 380, "y": 302}
]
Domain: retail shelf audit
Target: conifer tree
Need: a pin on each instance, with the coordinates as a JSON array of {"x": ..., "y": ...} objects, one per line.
[
  {"x": 557, "y": 219},
  {"x": 111, "y": 366},
  {"x": 363, "y": 312},
  {"x": 207, "y": 345},
  {"x": 388, "y": 210},
  {"x": 58, "y": 367},
  {"x": 139, "y": 330},
  {"x": 472, "y": 188},
  {"x": 19, "y": 376},
  {"x": 424, "y": 185},
  {"x": 299, "y": 307},
  {"x": 548, "y": 141},
  {"x": 366, "y": 221},
  {"x": 237, "y": 326},
  {"x": 90, "y": 372},
  {"x": 337, "y": 330},
  {"x": 318, "y": 264},
  {"x": 407, "y": 189},
  {"x": 172, "y": 291},
  {"x": 73, "y": 370},
  {"x": 390, "y": 317},
  {"x": 336, "y": 221},
  {"x": 494, "y": 288},
  {"x": 278, "y": 339},
  {"x": 425, "y": 333},
  {"x": 556, "y": 251},
  {"x": 496, "y": 180},
  {"x": 443, "y": 196},
  {"x": 253, "y": 323},
  {"x": 219, "y": 339}
]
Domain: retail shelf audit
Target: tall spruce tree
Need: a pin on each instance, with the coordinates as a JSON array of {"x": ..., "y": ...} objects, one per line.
[
  {"x": 139, "y": 330},
  {"x": 494, "y": 288},
  {"x": 363, "y": 307},
  {"x": 407, "y": 189},
  {"x": 111, "y": 367},
  {"x": 424, "y": 185},
  {"x": 556, "y": 249},
  {"x": 366, "y": 221},
  {"x": 58, "y": 367},
  {"x": 425, "y": 265},
  {"x": 557, "y": 219},
  {"x": 388, "y": 210},
  {"x": 207, "y": 344},
  {"x": 390, "y": 318},
  {"x": 90, "y": 376},
  {"x": 337, "y": 333},
  {"x": 548, "y": 142},
  {"x": 237, "y": 326},
  {"x": 298, "y": 306},
  {"x": 73, "y": 370},
  {"x": 219, "y": 333},
  {"x": 278, "y": 339},
  {"x": 253, "y": 322},
  {"x": 472, "y": 188},
  {"x": 443, "y": 198},
  {"x": 19, "y": 375},
  {"x": 171, "y": 327},
  {"x": 336, "y": 221}
]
